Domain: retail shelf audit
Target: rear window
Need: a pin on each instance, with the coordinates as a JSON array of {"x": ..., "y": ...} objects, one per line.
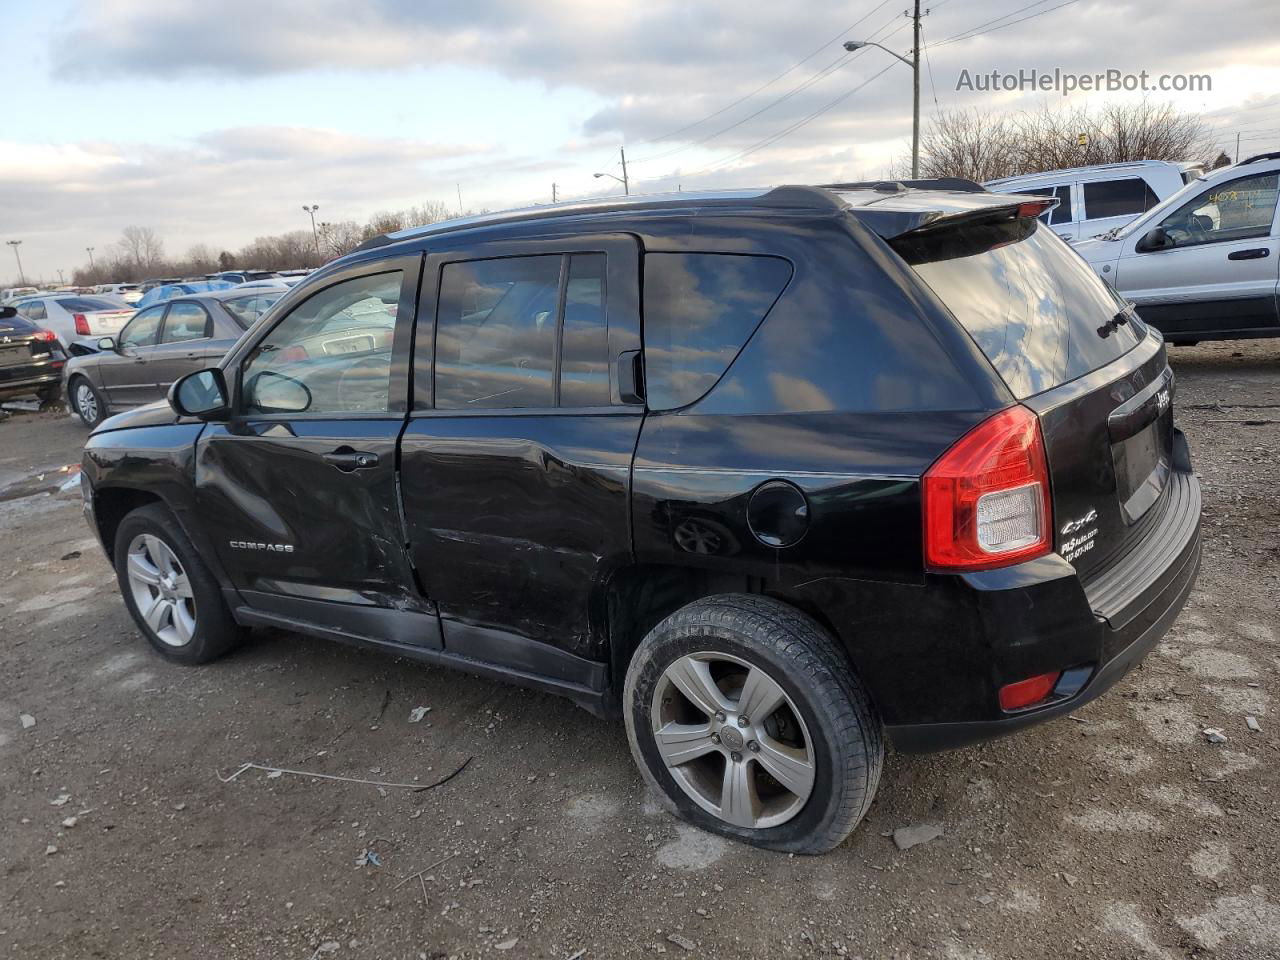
[
  {"x": 699, "y": 311},
  {"x": 1118, "y": 198},
  {"x": 1033, "y": 306},
  {"x": 89, "y": 304}
]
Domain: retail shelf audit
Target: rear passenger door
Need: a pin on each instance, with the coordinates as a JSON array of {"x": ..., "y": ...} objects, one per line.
[
  {"x": 515, "y": 463},
  {"x": 1107, "y": 204},
  {"x": 183, "y": 345}
]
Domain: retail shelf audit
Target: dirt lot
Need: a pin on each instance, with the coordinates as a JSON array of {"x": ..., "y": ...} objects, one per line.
[{"x": 1122, "y": 832}]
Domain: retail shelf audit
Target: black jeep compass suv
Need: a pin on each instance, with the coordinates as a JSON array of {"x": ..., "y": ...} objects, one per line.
[{"x": 773, "y": 474}]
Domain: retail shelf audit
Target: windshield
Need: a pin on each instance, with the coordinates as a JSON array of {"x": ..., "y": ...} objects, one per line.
[{"x": 1032, "y": 305}]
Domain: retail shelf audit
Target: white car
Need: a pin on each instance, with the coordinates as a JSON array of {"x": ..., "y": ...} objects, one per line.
[
  {"x": 76, "y": 316},
  {"x": 10, "y": 294},
  {"x": 1093, "y": 200},
  {"x": 130, "y": 293},
  {"x": 1205, "y": 263}
]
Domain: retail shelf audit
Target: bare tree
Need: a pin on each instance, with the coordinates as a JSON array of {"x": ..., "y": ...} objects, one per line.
[
  {"x": 986, "y": 146},
  {"x": 142, "y": 246}
]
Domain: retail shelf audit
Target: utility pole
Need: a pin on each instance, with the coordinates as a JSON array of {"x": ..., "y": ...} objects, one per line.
[
  {"x": 915, "y": 96},
  {"x": 15, "y": 244},
  {"x": 553, "y": 193},
  {"x": 626, "y": 182},
  {"x": 61, "y": 279},
  {"x": 1236, "y": 158},
  {"x": 90, "y": 249},
  {"x": 315, "y": 236}
]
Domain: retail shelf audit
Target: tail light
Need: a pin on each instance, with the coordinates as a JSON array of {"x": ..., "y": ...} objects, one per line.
[
  {"x": 1029, "y": 692},
  {"x": 82, "y": 324},
  {"x": 294, "y": 354},
  {"x": 986, "y": 500},
  {"x": 48, "y": 336}
]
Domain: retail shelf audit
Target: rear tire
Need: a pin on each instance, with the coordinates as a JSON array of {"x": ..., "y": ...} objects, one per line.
[
  {"x": 691, "y": 685},
  {"x": 171, "y": 594},
  {"x": 87, "y": 402}
]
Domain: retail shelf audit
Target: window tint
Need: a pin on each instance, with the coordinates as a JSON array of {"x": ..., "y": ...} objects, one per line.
[
  {"x": 1235, "y": 210},
  {"x": 496, "y": 333},
  {"x": 584, "y": 351},
  {"x": 699, "y": 311},
  {"x": 1117, "y": 198},
  {"x": 143, "y": 329},
  {"x": 91, "y": 304},
  {"x": 1062, "y": 212},
  {"x": 186, "y": 321},
  {"x": 1033, "y": 306},
  {"x": 330, "y": 354}
]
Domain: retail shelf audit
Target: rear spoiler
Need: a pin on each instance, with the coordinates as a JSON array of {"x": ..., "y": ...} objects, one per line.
[
  {"x": 901, "y": 186},
  {"x": 893, "y": 225}
]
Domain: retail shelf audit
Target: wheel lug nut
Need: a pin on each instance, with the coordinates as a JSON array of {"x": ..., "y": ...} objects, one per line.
[
  {"x": 715, "y": 738},
  {"x": 737, "y": 757},
  {"x": 753, "y": 747},
  {"x": 719, "y": 717},
  {"x": 744, "y": 722}
]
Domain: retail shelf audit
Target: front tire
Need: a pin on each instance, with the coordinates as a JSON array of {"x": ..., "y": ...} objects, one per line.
[
  {"x": 171, "y": 594},
  {"x": 747, "y": 719},
  {"x": 87, "y": 402}
]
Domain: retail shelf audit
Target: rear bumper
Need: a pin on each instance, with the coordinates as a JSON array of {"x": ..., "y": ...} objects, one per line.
[
  {"x": 1116, "y": 624},
  {"x": 43, "y": 379}
]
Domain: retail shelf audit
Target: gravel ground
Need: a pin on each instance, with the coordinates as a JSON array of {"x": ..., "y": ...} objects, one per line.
[{"x": 1121, "y": 832}]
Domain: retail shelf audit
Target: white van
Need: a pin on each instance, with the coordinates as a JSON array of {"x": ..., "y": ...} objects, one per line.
[
  {"x": 1093, "y": 200},
  {"x": 1204, "y": 264}
]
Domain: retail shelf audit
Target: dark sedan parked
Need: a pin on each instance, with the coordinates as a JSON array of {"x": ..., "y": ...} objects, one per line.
[
  {"x": 160, "y": 344},
  {"x": 30, "y": 359}
]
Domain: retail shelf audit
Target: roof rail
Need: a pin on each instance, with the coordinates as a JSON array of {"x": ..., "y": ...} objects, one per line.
[
  {"x": 1274, "y": 155},
  {"x": 897, "y": 186}
]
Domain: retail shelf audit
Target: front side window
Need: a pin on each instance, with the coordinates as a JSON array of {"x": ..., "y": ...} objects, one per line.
[
  {"x": 186, "y": 321},
  {"x": 1118, "y": 198},
  {"x": 144, "y": 329},
  {"x": 330, "y": 355},
  {"x": 700, "y": 309},
  {"x": 1236, "y": 210}
]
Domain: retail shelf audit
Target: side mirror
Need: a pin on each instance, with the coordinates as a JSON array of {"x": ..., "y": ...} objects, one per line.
[
  {"x": 202, "y": 394},
  {"x": 271, "y": 392},
  {"x": 1154, "y": 240},
  {"x": 8, "y": 313},
  {"x": 106, "y": 343}
]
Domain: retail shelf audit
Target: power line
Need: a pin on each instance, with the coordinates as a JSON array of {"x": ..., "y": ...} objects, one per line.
[
  {"x": 928, "y": 62},
  {"x": 799, "y": 63},
  {"x": 820, "y": 75},
  {"x": 978, "y": 31}
]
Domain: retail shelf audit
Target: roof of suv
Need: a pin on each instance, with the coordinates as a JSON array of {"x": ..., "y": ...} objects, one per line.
[{"x": 910, "y": 206}]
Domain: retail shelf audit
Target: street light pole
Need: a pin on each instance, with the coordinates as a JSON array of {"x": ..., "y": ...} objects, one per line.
[
  {"x": 314, "y": 235},
  {"x": 15, "y": 244},
  {"x": 914, "y": 64},
  {"x": 624, "y": 179},
  {"x": 90, "y": 249}
]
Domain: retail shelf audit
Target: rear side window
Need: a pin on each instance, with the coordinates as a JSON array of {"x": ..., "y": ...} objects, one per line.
[
  {"x": 186, "y": 321},
  {"x": 700, "y": 309},
  {"x": 1117, "y": 198},
  {"x": 1033, "y": 306},
  {"x": 89, "y": 304},
  {"x": 1062, "y": 212}
]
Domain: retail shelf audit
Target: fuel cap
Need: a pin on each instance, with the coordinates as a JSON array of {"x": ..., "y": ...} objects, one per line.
[{"x": 778, "y": 514}]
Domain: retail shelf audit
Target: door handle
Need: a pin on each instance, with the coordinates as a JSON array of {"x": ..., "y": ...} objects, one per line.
[
  {"x": 1258, "y": 253},
  {"x": 347, "y": 460}
]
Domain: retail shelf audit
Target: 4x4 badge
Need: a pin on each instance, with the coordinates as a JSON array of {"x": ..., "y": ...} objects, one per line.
[{"x": 1071, "y": 526}]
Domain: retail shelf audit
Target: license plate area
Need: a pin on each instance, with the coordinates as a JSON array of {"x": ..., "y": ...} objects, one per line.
[{"x": 1142, "y": 465}]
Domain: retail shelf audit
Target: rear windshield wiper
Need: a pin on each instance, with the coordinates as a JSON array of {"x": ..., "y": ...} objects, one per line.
[{"x": 1119, "y": 320}]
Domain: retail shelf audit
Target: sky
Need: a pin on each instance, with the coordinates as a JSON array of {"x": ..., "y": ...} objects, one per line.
[{"x": 214, "y": 123}]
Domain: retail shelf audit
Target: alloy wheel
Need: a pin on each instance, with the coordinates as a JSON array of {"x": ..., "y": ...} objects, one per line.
[
  {"x": 161, "y": 590},
  {"x": 86, "y": 403},
  {"x": 732, "y": 740}
]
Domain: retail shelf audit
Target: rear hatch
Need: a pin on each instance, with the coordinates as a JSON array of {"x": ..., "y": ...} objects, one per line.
[
  {"x": 1074, "y": 353},
  {"x": 26, "y": 353}
]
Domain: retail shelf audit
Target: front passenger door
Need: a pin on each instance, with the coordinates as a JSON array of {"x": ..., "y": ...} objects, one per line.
[
  {"x": 125, "y": 372},
  {"x": 299, "y": 487},
  {"x": 1220, "y": 275}
]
